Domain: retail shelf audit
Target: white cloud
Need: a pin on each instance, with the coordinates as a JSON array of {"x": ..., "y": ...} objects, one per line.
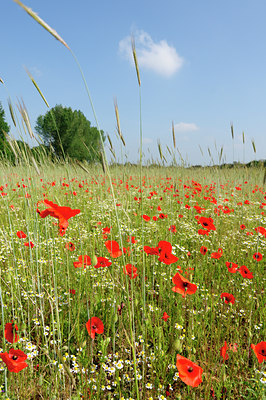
[
  {"x": 158, "y": 57},
  {"x": 186, "y": 127}
]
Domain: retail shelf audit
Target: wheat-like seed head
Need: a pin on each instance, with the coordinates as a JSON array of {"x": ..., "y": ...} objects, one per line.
[
  {"x": 42, "y": 23},
  {"x": 135, "y": 58},
  {"x": 37, "y": 87},
  {"x": 173, "y": 133}
]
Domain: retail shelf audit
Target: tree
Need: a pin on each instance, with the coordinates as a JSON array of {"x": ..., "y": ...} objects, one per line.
[
  {"x": 4, "y": 127},
  {"x": 70, "y": 133}
]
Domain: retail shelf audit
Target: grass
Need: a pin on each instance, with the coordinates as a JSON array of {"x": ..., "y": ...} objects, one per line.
[{"x": 64, "y": 362}]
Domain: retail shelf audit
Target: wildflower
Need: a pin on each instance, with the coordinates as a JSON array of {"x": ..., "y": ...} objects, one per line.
[
  {"x": 14, "y": 360},
  {"x": 165, "y": 250},
  {"x": 131, "y": 271},
  {"x": 260, "y": 351},
  {"x": 21, "y": 235},
  {"x": 165, "y": 316},
  {"x": 29, "y": 244},
  {"x": 257, "y": 256},
  {"x": 94, "y": 325},
  {"x": 70, "y": 246},
  {"x": 232, "y": 267},
  {"x": 207, "y": 223},
  {"x": 146, "y": 217},
  {"x": 217, "y": 254},
  {"x": 183, "y": 286},
  {"x": 11, "y": 332},
  {"x": 82, "y": 262},
  {"x": 102, "y": 262},
  {"x": 113, "y": 248},
  {"x": 228, "y": 298},
  {"x": 242, "y": 227},
  {"x": 223, "y": 351},
  {"x": 245, "y": 272},
  {"x": 203, "y": 250},
  {"x": 61, "y": 213},
  {"x": 172, "y": 229},
  {"x": 261, "y": 230},
  {"x": 189, "y": 372}
]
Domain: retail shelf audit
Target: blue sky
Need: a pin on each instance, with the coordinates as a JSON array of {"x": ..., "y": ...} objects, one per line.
[{"x": 202, "y": 65}]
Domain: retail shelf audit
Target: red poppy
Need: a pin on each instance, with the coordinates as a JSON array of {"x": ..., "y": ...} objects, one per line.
[
  {"x": 218, "y": 254},
  {"x": 261, "y": 230},
  {"x": 21, "y": 235},
  {"x": 203, "y": 232},
  {"x": 82, "y": 262},
  {"x": 72, "y": 291},
  {"x": 151, "y": 250},
  {"x": 232, "y": 267},
  {"x": 94, "y": 325},
  {"x": 106, "y": 230},
  {"x": 260, "y": 351},
  {"x": 245, "y": 272},
  {"x": 131, "y": 239},
  {"x": 70, "y": 246},
  {"x": 203, "y": 250},
  {"x": 228, "y": 298},
  {"x": 61, "y": 213},
  {"x": 131, "y": 271},
  {"x": 165, "y": 316},
  {"x": 14, "y": 360},
  {"x": 102, "y": 262},
  {"x": 207, "y": 223},
  {"x": 29, "y": 244},
  {"x": 183, "y": 286},
  {"x": 189, "y": 372},
  {"x": 242, "y": 227},
  {"x": 257, "y": 256},
  {"x": 233, "y": 347},
  {"x": 165, "y": 250},
  {"x": 223, "y": 351},
  {"x": 11, "y": 332},
  {"x": 113, "y": 248},
  {"x": 172, "y": 229},
  {"x": 146, "y": 217}
]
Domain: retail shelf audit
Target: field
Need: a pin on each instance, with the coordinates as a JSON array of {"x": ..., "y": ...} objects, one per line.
[{"x": 201, "y": 232}]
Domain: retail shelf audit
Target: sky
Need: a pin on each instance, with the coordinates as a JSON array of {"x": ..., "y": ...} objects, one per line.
[{"x": 202, "y": 67}]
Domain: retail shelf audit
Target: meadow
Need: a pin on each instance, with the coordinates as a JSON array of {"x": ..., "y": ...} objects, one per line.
[
  {"x": 106, "y": 279},
  {"x": 130, "y": 282}
]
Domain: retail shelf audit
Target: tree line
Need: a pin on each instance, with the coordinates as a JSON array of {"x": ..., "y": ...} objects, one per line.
[{"x": 63, "y": 132}]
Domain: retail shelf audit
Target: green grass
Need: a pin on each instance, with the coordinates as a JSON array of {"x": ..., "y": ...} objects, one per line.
[{"x": 138, "y": 347}]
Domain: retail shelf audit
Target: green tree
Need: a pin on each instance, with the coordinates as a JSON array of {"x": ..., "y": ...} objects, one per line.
[
  {"x": 70, "y": 133},
  {"x": 4, "y": 127}
]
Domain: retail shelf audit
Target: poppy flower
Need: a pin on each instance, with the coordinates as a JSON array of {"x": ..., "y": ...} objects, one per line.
[
  {"x": 183, "y": 286},
  {"x": 257, "y": 256},
  {"x": 245, "y": 272},
  {"x": 233, "y": 347},
  {"x": 172, "y": 229},
  {"x": 218, "y": 254},
  {"x": 203, "y": 250},
  {"x": 102, "y": 262},
  {"x": 146, "y": 217},
  {"x": 72, "y": 291},
  {"x": 14, "y": 360},
  {"x": 21, "y": 235},
  {"x": 165, "y": 316},
  {"x": 106, "y": 230},
  {"x": 151, "y": 250},
  {"x": 29, "y": 244},
  {"x": 189, "y": 372},
  {"x": 203, "y": 232},
  {"x": 242, "y": 227},
  {"x": 165, "y": 250},
  {"x": 70, "y": 246},
  {"x": 11, "y": 332},
  {"x": 261, "y": 230},
  {"x": 131, "y": 271},
  {"x": 61, "y": 213},
  {"x": 232, "y": 267},
  {"x": 260, "y": 351},
  {"x": 94, "y": 325},
  {"x": 228, "y": 298},
  {"x": 223, "y": 351},
  {"x": 207, "y": 223},
  {"x": 113, "y": 248}
]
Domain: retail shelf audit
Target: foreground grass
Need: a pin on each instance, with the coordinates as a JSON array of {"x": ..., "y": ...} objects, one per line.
[{"x": 135, "y": 357}]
